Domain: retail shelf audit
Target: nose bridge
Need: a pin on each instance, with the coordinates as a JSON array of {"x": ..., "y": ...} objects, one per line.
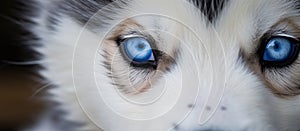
[
  {"x": 226, "y": 85},
  {"x": 213, "y": 56},
  {"x": 219, "y": 58},
  {"x": 216, "y": 87}
]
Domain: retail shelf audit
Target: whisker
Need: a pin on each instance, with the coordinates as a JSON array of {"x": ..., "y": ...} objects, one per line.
[
  {"x": 22, "y": 63},
  {"x": 47, "y": 85},
  {"x": 17, "y": 22}
]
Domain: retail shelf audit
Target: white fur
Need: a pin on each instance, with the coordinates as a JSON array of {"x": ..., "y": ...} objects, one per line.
[{"x": 207, "y": 72}]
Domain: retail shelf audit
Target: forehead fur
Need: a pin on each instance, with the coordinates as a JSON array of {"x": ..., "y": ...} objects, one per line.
[
  {"x": 210, "y": 8},
  {"x": 84, "y": 10}
]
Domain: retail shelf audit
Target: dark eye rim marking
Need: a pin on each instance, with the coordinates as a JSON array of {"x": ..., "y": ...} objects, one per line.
[
  {"x": 270, "y": 64},
  {"x": 148, "y": 64}
]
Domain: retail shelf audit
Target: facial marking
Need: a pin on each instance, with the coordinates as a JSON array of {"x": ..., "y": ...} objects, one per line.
[{"x": 210, "y": 8}]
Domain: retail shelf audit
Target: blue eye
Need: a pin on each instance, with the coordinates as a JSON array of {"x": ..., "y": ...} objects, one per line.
[
  {"x": 138, "y": 50},
  {"x": 280, "y": 50}
]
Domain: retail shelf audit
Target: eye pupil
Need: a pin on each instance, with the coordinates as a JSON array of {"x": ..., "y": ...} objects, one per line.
[
  {"x": 141, "y": 46},
  {"x": 276, "y": 45}
]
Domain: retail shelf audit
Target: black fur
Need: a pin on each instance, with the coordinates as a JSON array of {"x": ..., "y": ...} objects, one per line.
[
  {"x": 210, "y": 8},
  {"x": 16, "y": 41}
]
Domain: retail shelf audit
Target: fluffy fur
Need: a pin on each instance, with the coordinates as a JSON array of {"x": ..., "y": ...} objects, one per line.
[{"x": 209, "y": 77}]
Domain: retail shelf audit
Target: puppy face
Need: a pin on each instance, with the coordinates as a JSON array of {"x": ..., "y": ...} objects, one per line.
[{"x": 180, "y": 65}]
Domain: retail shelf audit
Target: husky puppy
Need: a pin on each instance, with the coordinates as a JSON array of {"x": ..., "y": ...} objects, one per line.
[{"x": 156, "y": 65}]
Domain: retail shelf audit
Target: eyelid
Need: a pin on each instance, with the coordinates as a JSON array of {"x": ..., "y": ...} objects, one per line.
[
  {"x": 123, "y": 37},
  {"x": 151, "y": 41},
  {"x": 286, "y": 35}
]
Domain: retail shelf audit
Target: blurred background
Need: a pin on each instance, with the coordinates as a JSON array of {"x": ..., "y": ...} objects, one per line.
[{"x": 19, "y": 82}]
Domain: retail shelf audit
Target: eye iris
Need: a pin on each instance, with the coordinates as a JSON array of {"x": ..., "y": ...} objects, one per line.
[
  {"x": 138, "y": 50},
  {"x": 278, "y": 50}
]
